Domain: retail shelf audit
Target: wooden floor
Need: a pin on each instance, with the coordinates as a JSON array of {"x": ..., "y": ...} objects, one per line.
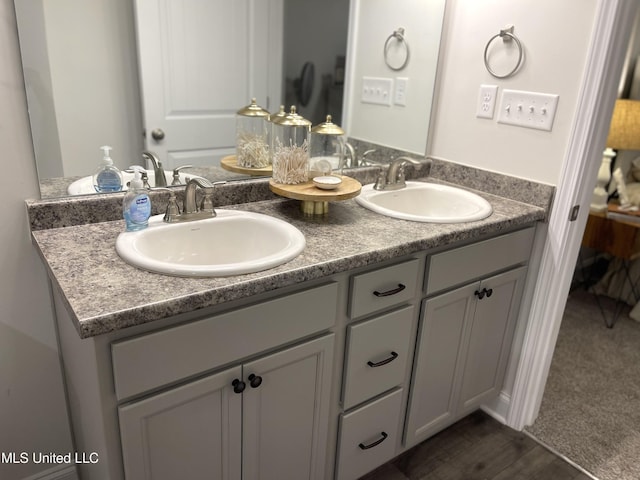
[{"x": 478, "y": 448}]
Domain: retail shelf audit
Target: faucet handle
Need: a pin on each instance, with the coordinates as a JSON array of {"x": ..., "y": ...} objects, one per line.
[
  {"x": 172, "y": 212},
  {"x": 176, "y": 174}
]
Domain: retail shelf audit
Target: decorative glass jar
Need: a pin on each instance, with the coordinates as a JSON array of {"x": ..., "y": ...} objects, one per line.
[
  {"x": 274, "y": 118},
  {"x": 290, "y": 148},
  {"x": 327, "y": 148},
  {"x": 252, "y": 147}
]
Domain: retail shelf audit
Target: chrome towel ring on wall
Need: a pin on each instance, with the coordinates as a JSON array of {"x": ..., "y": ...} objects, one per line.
[
  {"x": 397, "y": 35},
  {"x": 507, "y": 36}
]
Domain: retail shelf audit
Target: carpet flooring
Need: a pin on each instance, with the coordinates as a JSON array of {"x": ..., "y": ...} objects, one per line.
[{"x": 591, "y": 405}]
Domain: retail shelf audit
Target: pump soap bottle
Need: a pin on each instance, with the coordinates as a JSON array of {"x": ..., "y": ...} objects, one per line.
[
  {"x": 136, "y": 207},
  {"x": 108, "y": 178}
]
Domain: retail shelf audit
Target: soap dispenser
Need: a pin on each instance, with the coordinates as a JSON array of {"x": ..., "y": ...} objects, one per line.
[
  {"x": 136, "y": 207},
  {"x": 107, "y": 178}
]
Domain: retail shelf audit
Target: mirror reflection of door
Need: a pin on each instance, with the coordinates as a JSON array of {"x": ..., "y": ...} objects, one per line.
[{"x": 200, "y": 61}]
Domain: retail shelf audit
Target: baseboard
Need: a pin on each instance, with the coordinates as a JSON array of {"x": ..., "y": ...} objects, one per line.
[
  {"x": 60, "y": 472},
  {"x": 498, "y": 407}
]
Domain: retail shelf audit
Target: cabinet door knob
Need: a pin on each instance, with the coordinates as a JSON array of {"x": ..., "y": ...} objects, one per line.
[
  {"x": 374, "y": 444},
  {"x": 400, "y": 288},
  {"x": 238, "y": 386},
  {"x": 489, "y": 292},
  {"x": 255, "y": 380},
  {"x": 480, "y": 293},
  {"x": 393, "y": 356}
]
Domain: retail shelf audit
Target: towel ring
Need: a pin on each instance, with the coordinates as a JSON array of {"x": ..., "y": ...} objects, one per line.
[
  {"x": 507, "y": 36},
  {"x": 399, "y": 36}
]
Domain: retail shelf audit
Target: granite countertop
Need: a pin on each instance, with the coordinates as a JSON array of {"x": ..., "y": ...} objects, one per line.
[{"x": 103, "y": 293}]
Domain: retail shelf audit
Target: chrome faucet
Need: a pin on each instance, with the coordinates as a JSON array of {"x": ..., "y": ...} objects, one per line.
[
  {"x": 190, "y": 208},
  {"x": 161, "y": 180},
  {"x": 394, "y": 179},
  {"x": 347, "y": 151}
]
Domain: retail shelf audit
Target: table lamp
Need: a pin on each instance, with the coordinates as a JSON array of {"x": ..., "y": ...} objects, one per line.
[{"x": 624, "y": 134}]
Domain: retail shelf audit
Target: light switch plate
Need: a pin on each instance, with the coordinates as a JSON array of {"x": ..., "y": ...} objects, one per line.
[
  {"x": 377, "y": 90},
  {"x": 528, "y": 109}
]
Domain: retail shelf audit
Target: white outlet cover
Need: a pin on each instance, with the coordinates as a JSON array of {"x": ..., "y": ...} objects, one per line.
[
  {"x": 486, "y": 101},
  {"x": 528, "y": 109}
]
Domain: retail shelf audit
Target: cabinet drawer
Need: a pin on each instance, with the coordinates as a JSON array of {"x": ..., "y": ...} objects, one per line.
[
  {"x": 368, "y": 436},
  {"x": 160, "y": 358},
  {"x": 377, "y": 356},
  {"x": 460, "y": 265},
  {"x": 383, "y": 288}
]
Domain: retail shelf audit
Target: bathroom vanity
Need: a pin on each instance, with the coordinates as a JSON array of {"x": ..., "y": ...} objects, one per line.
[{"x": 380, "y": 334}]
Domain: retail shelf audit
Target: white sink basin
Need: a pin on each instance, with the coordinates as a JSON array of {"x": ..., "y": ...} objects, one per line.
[
  {"x": 84, "y": 185},
  {"x": 426, "y": 202},
  {"x": 232, "y": 243}
]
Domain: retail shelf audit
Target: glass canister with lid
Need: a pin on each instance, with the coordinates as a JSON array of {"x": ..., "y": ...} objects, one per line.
[
  {"x": 274, "y": 118},
  {"x": 252, "y": 144},
  {"x": 290, "y": 148},
  {"x": 327, "y": 147}
]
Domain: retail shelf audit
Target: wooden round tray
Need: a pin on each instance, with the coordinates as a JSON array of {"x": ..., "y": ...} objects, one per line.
[
  {"x": 230, "y": 163},
  {"x": 315, "y": 201}
]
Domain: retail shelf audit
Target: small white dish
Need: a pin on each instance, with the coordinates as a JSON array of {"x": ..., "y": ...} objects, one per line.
[{"x": 327, "y": 182}]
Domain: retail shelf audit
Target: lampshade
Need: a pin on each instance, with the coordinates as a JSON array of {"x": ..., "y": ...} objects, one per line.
[{"x": 624, "y": 132}]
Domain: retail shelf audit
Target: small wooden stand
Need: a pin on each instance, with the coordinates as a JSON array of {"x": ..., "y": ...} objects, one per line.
[
  {"x": 230, "y": 163},
  {"x": 315, "y": 201}
]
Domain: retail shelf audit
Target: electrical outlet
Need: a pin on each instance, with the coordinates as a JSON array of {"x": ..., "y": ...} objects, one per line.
[
  {"x": 486, "y": 101},
  {"x": 528, "y": 109},
  {"x": 400, "y": 94},
  {"x": 376, "y": 90}
]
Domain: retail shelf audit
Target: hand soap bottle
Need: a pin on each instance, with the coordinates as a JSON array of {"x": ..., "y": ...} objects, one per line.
[
  {"x": 136, "y": 207},
  {"x": 108, "y": 178}
]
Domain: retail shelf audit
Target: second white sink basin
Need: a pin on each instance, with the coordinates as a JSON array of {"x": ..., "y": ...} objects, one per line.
[
  {"x": 232, "y": 243},
  {"x": 426, "y": 202}
]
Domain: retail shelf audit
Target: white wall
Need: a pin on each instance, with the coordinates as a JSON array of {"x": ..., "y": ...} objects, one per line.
[
  {"x": 33, "y": 416},
  {"x": 556, "y": 36},
  {"x": 401, "y": 127}
]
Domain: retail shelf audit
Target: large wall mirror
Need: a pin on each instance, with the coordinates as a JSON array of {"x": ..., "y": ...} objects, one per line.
[{"x": 168, "y": 76}]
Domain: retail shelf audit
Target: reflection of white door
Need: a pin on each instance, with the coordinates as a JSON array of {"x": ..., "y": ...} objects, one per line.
[{"x": 200, "y": 61}]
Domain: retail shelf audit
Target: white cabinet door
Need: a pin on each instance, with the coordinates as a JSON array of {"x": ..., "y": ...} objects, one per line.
[
  {"x": 192, "y": 431},
  {"x": 434, "y": 391},
  {"x": 491, "y": 334},
  {"x": 462, "y": 351},
  {"x": 286, "y": 413},
  {"x": 200, "y": 62}
]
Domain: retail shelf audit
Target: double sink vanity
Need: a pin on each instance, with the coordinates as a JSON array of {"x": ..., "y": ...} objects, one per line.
[{"x": 377, "y": 333}]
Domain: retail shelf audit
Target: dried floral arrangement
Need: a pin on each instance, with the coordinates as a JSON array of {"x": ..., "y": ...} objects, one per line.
[
  {"x": 290, "y": 164},
  {"x": 252, "y": 150}
]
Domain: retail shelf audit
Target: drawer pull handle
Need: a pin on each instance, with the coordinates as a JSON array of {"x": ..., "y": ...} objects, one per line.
[
  {"x": 374, "y": 444},
  {"x": 400, "y": 288},
  {"x": 393, "y": 356},
  {"x": 255, "y": 380},
  {"x": 238, "y": 386}
]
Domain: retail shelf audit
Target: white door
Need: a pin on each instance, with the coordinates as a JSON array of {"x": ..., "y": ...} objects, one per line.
[{"x": 200, "y": 61}]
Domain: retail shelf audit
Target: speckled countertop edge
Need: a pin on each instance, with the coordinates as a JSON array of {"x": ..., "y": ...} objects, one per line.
[{"x": 104, "y": 294}]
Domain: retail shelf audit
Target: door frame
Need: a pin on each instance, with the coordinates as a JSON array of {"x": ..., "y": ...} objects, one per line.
[{"x": 611, "y": 32}]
